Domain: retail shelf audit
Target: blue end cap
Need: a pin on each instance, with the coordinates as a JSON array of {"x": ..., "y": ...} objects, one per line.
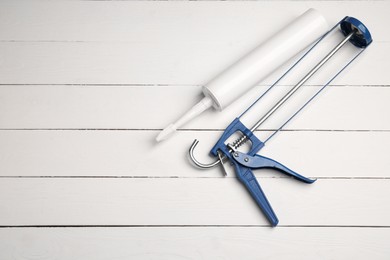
[{"x": 362, "y": 37}]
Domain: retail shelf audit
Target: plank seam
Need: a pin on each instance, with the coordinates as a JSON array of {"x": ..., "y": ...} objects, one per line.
[
  {"x": 179, "y": 177},
  {"x": 169, "y": 85},
  {"x": 224, "y": 1},
  {"x": 100, "y": 41},
  {"x": 191, "y": 226},
  {"x": 194, "y": 130}
]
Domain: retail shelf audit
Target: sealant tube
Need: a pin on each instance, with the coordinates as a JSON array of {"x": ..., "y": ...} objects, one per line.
[{"x": 248, "y": 71}]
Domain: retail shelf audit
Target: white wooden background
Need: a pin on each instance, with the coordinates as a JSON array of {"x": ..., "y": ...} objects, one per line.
[{"x": 87, "y": 85}]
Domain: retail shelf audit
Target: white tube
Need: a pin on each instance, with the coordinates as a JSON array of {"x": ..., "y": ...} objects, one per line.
[{"x": 230, "y": 84}]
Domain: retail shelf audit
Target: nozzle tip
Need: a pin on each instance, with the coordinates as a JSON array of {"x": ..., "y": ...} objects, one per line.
[{"x": 164, "y": 134}]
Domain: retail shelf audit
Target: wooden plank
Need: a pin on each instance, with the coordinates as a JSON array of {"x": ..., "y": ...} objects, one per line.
[
  {"x": 191, "y": 63},
  {"x": 190, "y": 201},
  {"x": 135, "y": 107},
  {"x": 134, "y": 153},
  {"x": 157, "y": 21},
  {"x": 194, "y": 243},
  {"x": 161, "y": 52}
]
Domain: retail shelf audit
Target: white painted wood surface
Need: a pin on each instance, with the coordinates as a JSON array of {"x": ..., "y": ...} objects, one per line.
[{"x": 85, "y": 86}]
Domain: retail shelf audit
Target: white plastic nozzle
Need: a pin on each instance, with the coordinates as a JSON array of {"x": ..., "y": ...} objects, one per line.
[
  {"x": 166, "y": 132},
  {"x": 196, "y": 110}
]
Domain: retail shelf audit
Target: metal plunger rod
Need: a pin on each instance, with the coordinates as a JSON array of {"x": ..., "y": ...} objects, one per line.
[
  {"x": 302, "y": 81},
  {"x": 243, "y": 138}
]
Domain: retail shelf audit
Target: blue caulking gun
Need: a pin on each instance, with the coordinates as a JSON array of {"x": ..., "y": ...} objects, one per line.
[{"x": 358, "y": 35}]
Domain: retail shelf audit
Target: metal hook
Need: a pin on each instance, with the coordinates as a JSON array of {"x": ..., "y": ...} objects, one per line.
[{"x": 196, "y": 162}]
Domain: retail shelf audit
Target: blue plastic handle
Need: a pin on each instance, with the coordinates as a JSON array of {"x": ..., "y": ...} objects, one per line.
[
  {"x": 245, "y": 162},
  {"x": 245, "y": 175}
]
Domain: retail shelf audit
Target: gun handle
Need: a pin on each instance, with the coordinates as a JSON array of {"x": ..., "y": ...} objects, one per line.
[{"x": 245, "y": 175}]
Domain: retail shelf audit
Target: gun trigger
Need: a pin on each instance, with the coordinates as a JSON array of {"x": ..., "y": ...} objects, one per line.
[{"x": 258, "y": 162}]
